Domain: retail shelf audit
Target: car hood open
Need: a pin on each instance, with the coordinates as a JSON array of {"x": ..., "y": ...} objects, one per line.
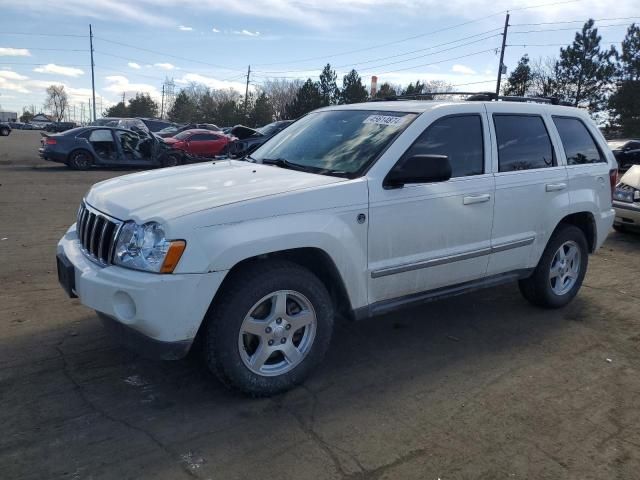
[
  {"x": 632, "y": 177},
  {"x": 174, "y": 192},
  {"x": 241, "y": 132}
]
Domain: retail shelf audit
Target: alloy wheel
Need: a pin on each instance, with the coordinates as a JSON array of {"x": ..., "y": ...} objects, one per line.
[{"x": 565, "y": 268}]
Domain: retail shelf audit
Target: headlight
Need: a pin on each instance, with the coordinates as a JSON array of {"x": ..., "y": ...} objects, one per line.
[{"x": 145, "y": 247}]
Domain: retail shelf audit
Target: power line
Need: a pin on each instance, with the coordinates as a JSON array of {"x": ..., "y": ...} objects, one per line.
[
  {"x": 567, "y": 28},
  {"x": 552, "y": 44},
  {"x": 401, "y": 54},
  {"x": 44, "y": 34},
  {"x": 165, "y": 54},
  {"x": 52, "y": 49},
  {"x": 572, "y": 21},
  {"x": 44, "y": 64}
]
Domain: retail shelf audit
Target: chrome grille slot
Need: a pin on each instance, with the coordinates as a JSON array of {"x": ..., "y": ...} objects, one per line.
[{"x": 97, "y": 234}]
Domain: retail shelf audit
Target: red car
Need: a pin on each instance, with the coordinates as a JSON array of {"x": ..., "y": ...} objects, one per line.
[{"x": 200, "y": 142}]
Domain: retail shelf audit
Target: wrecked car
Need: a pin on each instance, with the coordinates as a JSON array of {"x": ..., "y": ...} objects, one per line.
[
  {"x": 626, "y": 201},
  {"x": 627, "y": 153},
  {"x": 249, "y": 139},
  {"x": 176, "y": 129},
  {"x": 86, "y": 147},
  {"x": 201, "y": 142}
]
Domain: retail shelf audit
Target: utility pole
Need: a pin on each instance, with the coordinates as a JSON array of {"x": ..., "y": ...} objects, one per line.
[
  {"x": 246, "y": 91},
  {"x": 504, "y": 41},
  {"x": 123, "y": 97},
  {"x": 93, "y": 82},
  {"x": 162, "y": 103}
]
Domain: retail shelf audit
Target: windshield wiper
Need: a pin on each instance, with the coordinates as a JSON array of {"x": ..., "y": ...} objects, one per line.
[{"x": 281, "y": 162}]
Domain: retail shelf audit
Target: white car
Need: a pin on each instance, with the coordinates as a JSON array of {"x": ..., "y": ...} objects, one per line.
[
  {"x": 360, "y": 209},
  {"x": 626, "y": 201}
]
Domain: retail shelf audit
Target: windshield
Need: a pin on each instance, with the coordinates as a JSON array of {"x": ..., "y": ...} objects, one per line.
[
  {"x": 336, "y": 140},
  {"x": 182, "y": 135}
]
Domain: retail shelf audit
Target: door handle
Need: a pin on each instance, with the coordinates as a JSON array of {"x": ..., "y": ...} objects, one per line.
[
  {"x": 472, "y": 199},
  {"x": 555, "y": 187}
]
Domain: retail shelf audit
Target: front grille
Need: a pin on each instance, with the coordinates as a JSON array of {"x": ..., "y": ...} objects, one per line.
[{"x": 97, "y": 234}]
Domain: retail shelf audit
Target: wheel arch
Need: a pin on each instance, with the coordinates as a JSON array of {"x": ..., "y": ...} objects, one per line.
[
  {"x": 586, "y": 222},
  {"x": 80, "y": 149}
]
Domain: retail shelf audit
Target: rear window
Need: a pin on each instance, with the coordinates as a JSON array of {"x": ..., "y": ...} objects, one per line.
[
  {"x": 523, "y": 143},
  {"x": 579, "y": 146}
]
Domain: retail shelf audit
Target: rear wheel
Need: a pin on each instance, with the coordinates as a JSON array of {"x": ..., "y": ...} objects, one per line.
[
  {"x": 4, "y": 132},
  {"x": 271, "y": 327},
  {"x": 619, "y": 228},
  {"x": 80, "y": 160},
  {"x": 561, "y": 270},
  {"x": 171, "y": 160}
]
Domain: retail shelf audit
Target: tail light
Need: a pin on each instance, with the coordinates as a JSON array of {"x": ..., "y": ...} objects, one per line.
[
  {"x": 613, "y": 180},
  {"x": 50, "y": 141}
]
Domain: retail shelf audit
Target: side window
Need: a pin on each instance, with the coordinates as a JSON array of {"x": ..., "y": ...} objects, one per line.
[
  {"x": 460, "y": 138},
  {"x": 100, "y": 136},
  {"x": 579, "y": 146},
  {"x": 523, "y": 142},
  {"x": 199, "y": 137}
]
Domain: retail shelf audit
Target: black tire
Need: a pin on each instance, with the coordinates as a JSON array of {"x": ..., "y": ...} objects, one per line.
[
  {"x": 80, "y": 160},
  {"x": 619, "y": 228},
  {"x": 171, "y": 160},
  {"x": 4, "y": 132},
  {"x": 537, "y": 289},
  {"x": 224, "y": 321}
]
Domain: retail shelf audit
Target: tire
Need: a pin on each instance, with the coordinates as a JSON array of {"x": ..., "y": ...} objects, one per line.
[
  {"x": 619, "y": 228},
  {"x": 4, "y": 132},
  {"x": 543, "y": 290},
  {"x": 261, "y": 290},
  {"x": 80, "y": 160},
  {"x": 171, "y": 160}
]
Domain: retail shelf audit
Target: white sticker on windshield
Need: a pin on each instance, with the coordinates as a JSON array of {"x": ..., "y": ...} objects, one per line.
[{"x": 388, "y": 120}]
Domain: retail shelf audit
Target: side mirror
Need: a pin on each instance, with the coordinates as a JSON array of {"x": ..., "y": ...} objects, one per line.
[{"x": 418, "y": 169}]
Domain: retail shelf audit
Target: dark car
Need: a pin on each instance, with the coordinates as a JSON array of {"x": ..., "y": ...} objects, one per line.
[
  {"x": 249, "y": 139},
  {"x": 84, "y": 147},
  {"x": 156, "y": 124},
  {"x": 627, "y": 154},
  {"x": 58, "y": 127},
  {"x": 176, "y": 129},
  {"x": 5, "y": 129},
  {"x": 201, "y": 142},
  {"x": 16, "y": 125},
  {"x": 126, "y": 123}
]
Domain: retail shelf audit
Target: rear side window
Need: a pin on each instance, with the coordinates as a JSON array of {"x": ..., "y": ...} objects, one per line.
[
  {"x": 523, "y": 143},
  {"x": 100, "y": 136},
  {"x": 459, "y": 137},
  {"x": 579, "y": 146},
  {"x": 200, "y": 136}
]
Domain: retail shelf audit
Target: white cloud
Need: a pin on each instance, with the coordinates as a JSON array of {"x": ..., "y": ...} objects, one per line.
[
  {"x": 11, "y": 75},
  {"x": 211, "y": 82},
  {"x": 59, "y": 70},
  {"x": 463, "y": 69},
  {"x": 247, "y": 33},
  {"x": 215, "y": 30},
  {"x": 134, "y": 65},
  {"x": 119, "y": 83},
  {"x": 183, "y": 28},
  {"x": 14, "y": 52},
  {"x": 164, "y": 66}
]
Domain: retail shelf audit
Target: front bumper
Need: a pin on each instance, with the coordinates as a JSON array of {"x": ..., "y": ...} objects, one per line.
[
  {"x": 627, "y": 214},
  {"x": 159, "y": 311}
]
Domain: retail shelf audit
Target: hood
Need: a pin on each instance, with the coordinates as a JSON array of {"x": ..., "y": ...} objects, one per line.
[
  {"x": 632, "y": 177},
  {"x": 242, "y": 132},
  {"x": 169, "y": 193},
  {"x": 170, "y": 140}
]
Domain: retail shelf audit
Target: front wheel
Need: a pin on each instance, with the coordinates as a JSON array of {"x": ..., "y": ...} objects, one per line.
[
  {"x": 561, "y": 270},
  {"x": 171, "y": 160},
  {"x": 270, "y": 328},
  {"x": 4, "y": 132}
]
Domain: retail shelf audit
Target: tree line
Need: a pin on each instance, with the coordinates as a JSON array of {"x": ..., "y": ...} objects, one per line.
[
  {"x": 588, "y": 75},
  {"x": 585, "y": 74}
]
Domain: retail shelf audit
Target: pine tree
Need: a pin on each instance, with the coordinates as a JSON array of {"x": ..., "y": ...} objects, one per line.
[
  {"x": 386, "y": 90},
  {"x": 353, "y": 91},
  {"x": 625, "y": 102},
  {"x": 307, "y": 99},
  {"x": 262, "y": 112},
  {"x": 142, "y": 105},
  {"x": 585, "y": 71},
  {"x": 520, "y": 79},
  {"x": 183, "y": 109},
  {"x": 328, "y": 86},
  {"x": 118, "y": 110},
  {"x": 414, "y": 89}
]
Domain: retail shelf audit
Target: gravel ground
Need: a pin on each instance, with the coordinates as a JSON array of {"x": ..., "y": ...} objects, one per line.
[{"x": 479, "y": 386}]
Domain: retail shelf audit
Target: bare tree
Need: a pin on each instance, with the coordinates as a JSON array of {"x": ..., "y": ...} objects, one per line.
[
  {"x": 281, "y": 92},
  {"x": 57, "y": 101},
  {"x": 544, "y": 77}
]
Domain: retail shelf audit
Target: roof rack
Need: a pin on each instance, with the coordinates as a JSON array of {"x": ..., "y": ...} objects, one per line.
[{"x": 477, "y": 97}]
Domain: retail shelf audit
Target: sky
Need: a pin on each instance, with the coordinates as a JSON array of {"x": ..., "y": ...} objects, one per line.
[{"x": 137, "y": 45}]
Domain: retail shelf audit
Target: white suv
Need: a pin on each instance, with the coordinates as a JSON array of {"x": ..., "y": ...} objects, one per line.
[{"x": 355, "y": 209}]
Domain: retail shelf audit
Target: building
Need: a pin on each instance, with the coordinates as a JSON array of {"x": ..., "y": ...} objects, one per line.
[
  {"x": 40, "y": 119},
  {"x": 8, "y": 116}
]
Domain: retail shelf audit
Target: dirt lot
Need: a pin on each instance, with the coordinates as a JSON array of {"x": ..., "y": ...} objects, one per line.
[{"x": 481, "y": 386}]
